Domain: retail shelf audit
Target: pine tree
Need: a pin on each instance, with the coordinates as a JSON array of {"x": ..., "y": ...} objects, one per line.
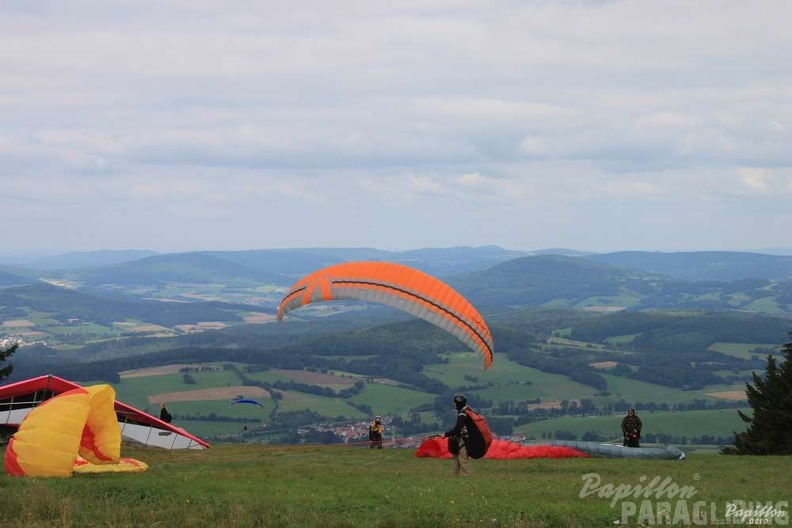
[
  {"x": 770, "y": 429},
  {"x": 4, "y": 355}
]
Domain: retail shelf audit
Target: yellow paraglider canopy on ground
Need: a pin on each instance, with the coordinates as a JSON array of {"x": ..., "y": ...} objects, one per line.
[
  {"x": 124, "y": 465},
  {"x": 81, "y": 422}
]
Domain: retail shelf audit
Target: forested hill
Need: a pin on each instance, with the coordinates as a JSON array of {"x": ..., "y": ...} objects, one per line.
[
  {"x": 702, "y": 265},
  {"x": 564, "y": 281},
  {"x": 574, "y": 282},
  {"x": 272, "y": 266},
  {"x": 14, "y": 279}
]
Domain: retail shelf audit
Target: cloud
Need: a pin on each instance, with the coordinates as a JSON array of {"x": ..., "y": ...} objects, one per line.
[{"x": 396, "y": 125}]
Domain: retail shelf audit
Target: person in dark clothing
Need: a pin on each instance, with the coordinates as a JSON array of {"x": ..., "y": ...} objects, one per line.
[
  {"x": 457, "y": 438},
  {"x": 165, "y": 416},
  {"x": 631, "y": 429}
]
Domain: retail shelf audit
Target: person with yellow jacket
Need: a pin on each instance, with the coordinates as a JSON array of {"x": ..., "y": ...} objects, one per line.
[{"x": 376, "y": 430}]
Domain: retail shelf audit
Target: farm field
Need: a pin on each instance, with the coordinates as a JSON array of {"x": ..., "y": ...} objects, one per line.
[
  {"x": 714, "y": 422},
  {"x": 203, "y": 406},
  {"x": 240, "y": 486},
  {"x": 742, "y": 350}
]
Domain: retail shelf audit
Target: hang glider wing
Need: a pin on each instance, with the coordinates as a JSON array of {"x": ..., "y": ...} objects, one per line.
[{"x": 18, "y": 399}]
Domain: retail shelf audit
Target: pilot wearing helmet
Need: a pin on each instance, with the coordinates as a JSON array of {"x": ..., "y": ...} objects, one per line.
[{"x": 458, "y": 437}]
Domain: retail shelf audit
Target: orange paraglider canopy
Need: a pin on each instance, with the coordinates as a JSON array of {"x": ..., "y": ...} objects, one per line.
[{"x": 399, "y": 286}]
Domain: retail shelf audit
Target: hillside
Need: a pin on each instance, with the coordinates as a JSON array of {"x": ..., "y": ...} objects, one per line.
[
  {"x": 574, "y": 282},
  {"x": 572, "y": 336},
  {"x": 702, "y": 265},
  {"x": 267, "y": 266},
  {"x": 88, "y": 259},
  {"x": 557, "y": 280},
  {"x": 13, "y": 279}
]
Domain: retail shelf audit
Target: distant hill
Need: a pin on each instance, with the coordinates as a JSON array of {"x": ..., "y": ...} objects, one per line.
[
  {"x": 88, "y": 259},
  {"x": 13, "y": 279},
  {"x": 564, "y": 281},
  {"x": 562, "y": 251},
  {"x": 702, "y": 265},
  {"x": 287, "y": 265},
  {"x": 574, "y": 282},
  {"x": 444, "y": 262},
  {"x": 66, "y": 305},
  {"x": 274, "y": 266},
  {"x": 198, "y": 267}
]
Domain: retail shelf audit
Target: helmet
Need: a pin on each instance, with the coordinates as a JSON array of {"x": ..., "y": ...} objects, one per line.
[
  {"x": 378, "y": 418},
  {"x": 460, "y": 401}
]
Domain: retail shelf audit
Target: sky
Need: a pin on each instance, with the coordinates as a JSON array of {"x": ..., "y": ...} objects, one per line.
[{"x": 181, "y": 125}]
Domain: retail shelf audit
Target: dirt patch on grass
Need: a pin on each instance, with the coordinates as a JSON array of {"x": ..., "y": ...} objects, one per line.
[
  {"x": 31, "y": 334},
  {"x": 604, "y": 365},
  {"x": 259, "y": 318},
  {"x": 555, "y": 404},
  {"x": 315, "y": 378},
  {"x": 200, "y": 327},
  {"x": 150, "y": 328},
  {"x": 218, "y": 393},
  {"x": 17, "y": 323},
  {"x": 152, "y": 371},
  {"x": 734, "y": 395}
]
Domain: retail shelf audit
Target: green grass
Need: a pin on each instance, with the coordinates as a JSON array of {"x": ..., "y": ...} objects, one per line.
[
  {"x": 641, "y": 391},
  {"x": 510, "y": 380},
  {"x": 741, "y": 350},
  {"x": 766, "y": 305},
  {"x": 206, "y": 428},
  {"x": 622, "y": 339},
  {"x": 267, "y": 376},
  {"x": 221, "y": 408},
  {"x": 714, "y": 422},
  {"x": 237, "y": 486},
  {"x": 386, "y": 399},
  {"x": 330, "y": 407}
]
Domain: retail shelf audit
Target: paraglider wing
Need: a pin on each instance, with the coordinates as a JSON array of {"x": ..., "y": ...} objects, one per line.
[
  {"x": 124, "y": 465},
  {"x": 399, "y": 286},
  {"x": 500, "y": 450},
  {"x": 246, "y": 400},
  {"x": 50, "y": 437}
]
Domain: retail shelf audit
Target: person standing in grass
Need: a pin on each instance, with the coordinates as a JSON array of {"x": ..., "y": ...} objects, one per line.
[
  {"x": 457, "y": 439},
  {"x": 631, "y": 429},
  {"x": 376, "y": 430}
]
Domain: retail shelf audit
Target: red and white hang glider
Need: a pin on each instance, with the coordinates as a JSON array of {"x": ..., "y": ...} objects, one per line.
[{"x": 18, "y": 399}]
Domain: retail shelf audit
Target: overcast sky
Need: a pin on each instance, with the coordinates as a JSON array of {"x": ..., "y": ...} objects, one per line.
[{"x": 177, "y": 125}]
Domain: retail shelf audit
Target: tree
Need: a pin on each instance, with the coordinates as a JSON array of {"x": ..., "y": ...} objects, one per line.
[
  {"x": 4, "y": 355},
  {"x": 770, "y": 429}
]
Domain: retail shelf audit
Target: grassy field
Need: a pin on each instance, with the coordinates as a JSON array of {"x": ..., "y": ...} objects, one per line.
[
  {"x": 505, "y": 381},
  {"x": 237, "y": 486},
  {"x": 741, "y": 350},
  {"x": 714, "y": 422}
]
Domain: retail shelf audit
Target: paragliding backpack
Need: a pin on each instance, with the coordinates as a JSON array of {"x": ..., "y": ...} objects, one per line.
[{"x": 479, "y": 434}]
